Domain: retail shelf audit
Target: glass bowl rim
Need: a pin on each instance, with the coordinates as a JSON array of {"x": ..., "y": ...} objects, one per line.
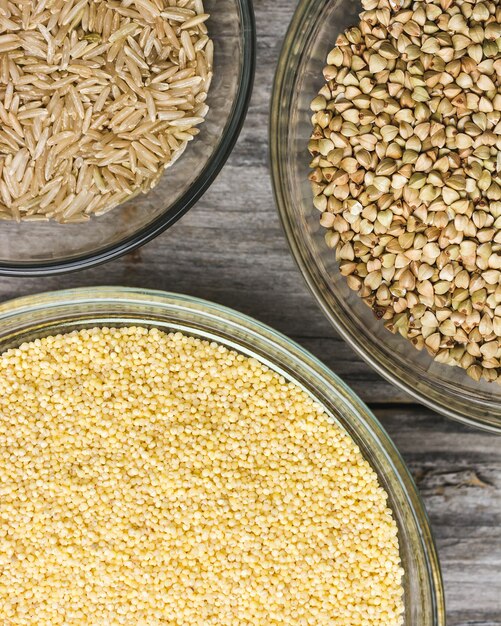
[
  {"x": 308, "y": 364},
  {"x": 190, "y": 197},
  {"x": 303, "y": 11}
]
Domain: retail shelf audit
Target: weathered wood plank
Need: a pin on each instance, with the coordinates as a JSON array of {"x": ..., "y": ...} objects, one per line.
[
  {"x": 231, "y": 249},
  {"x": 458, "y": 472}
]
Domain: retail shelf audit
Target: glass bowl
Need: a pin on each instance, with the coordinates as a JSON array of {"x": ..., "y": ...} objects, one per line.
[
  {"x": 448, "y": 390},
  {"x": 36, "y": 316},
  {"x": 42, "y": 248}
]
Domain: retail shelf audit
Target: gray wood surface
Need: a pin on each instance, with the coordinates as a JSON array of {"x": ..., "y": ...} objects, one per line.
[{"x": 230, "y": 249}]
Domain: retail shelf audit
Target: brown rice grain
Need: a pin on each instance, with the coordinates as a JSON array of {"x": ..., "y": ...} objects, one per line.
[{"x": 75, "y": 105}]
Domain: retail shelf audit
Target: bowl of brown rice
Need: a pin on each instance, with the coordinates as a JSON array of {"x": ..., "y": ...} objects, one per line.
[{"x": 116, "y": 116}]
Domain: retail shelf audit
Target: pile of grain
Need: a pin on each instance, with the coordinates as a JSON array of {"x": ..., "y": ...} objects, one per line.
[
  {"x": 97, "y": 98},
  {"x": 153, "y": 479},
  {"x": 407, "y": 172}
]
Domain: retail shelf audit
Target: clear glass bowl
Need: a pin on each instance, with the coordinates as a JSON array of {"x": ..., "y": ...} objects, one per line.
[
  {"x": 36, "y": 316},
  {"x": 41, "y": 248},
  {"x": 448, "y": 390}
]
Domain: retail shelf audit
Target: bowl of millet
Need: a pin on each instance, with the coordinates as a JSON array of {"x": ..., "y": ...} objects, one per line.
[
  {"x": 164, "y": 459},
  {"x": 386, "y": 156},
  {"x": 116, "y": 116}
]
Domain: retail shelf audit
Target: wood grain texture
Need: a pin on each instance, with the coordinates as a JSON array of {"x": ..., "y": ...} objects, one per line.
[
  {"x": 458, "y": 472},
  {"x": 230, "y": 248}
]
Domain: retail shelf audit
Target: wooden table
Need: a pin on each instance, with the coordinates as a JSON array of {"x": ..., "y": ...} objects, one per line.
[{"x": 230, "y": 248}]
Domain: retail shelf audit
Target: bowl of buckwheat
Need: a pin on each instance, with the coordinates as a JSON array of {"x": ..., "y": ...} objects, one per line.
[{"x": 386, "y": 159}]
